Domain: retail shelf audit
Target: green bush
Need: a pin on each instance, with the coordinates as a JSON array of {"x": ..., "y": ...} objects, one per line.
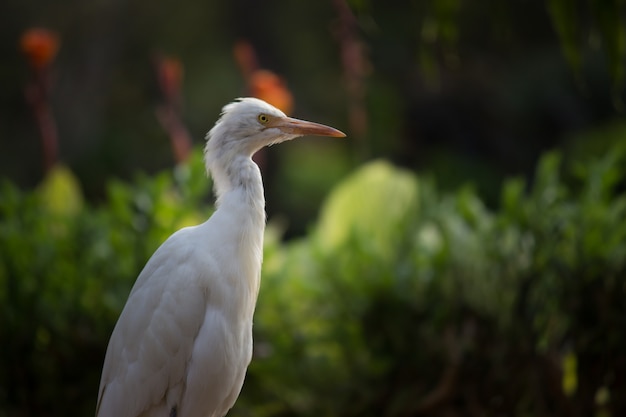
[
  {"x": 65, "y": 272},
  {"x": 401, "y": 300},
  {"x": 405, "y": 302}
]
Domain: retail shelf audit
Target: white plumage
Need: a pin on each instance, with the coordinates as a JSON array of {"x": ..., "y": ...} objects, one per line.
[{"x": 183, "y": 342}]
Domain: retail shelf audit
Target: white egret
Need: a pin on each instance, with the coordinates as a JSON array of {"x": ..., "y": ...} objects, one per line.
[{"x": 183, "y": 341}]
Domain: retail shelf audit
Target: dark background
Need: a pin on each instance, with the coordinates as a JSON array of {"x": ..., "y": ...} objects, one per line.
[{"x": 468, "y": 91}]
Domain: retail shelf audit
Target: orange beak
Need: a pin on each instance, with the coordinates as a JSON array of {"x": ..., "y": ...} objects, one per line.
[{"x": 300, "y": 127}]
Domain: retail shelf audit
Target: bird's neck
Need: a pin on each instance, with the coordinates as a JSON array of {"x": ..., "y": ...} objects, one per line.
[
  {"x": 241, "y": 212},
  {"x": 240, "y": 176}
]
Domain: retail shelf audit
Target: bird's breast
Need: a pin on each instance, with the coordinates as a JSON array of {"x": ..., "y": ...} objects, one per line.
[{"x": 238, "y": 254}]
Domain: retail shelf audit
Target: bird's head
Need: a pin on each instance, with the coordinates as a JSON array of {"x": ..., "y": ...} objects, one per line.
[{"x": 248, "y": 124}]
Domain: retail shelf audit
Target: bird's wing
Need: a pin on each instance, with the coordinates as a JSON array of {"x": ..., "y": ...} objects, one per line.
[{"x": 148, "y": 353}]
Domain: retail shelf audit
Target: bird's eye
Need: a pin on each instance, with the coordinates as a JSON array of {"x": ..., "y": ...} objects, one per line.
[{"x": 263, "y": 118}]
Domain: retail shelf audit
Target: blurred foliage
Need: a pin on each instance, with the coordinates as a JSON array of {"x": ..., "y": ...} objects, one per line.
[
  {"x": 65, "y": 271},
  {"x": 405, "y": 297},
  {"x": 602, "y": 19},
  {"x": 401, "y": 300}
]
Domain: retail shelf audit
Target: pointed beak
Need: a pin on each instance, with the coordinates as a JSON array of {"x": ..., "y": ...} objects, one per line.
[{"x": 300, "y": 127}]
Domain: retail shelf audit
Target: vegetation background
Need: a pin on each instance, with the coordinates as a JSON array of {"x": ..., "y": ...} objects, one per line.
[{"x": 462, "y": 253}]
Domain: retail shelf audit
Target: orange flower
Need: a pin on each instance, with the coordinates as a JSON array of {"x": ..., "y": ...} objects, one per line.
[
  {"x": 40, "y": 47},
  {"x": 262, "y": 84},
  {"x": 245, "y": 57},
  {"x": 270, "y": 87},
  {"x": 170, "y": 73}
]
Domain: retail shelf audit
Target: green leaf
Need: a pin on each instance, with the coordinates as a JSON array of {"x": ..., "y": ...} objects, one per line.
[
  {"x": 373, "y": 203},
  {"x": 570, "y": 375},
  {"x": 608, "y": 16},
  {"x": 60, "y": 192},
  {"x": 565, "y": 19}
]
